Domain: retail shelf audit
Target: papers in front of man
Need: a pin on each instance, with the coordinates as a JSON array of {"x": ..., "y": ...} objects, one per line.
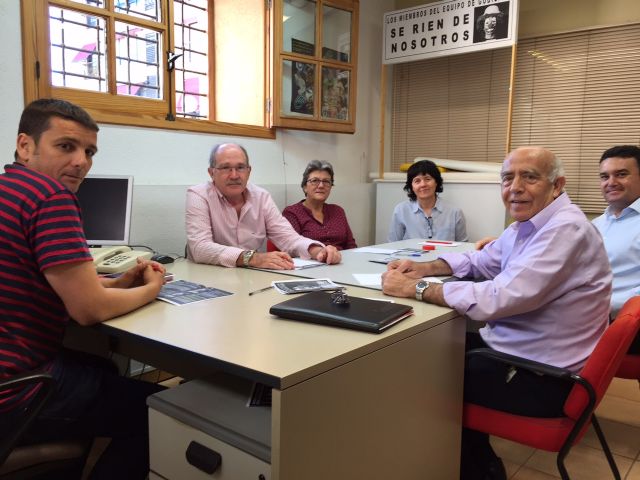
[
  {"x": 181, "y": 292},
  {"x": 383, "y": 251},
  {"x": 304, "y": 285}
]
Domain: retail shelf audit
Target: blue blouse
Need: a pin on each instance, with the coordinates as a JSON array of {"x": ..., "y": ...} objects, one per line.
[{"x": 445, "y": 223}]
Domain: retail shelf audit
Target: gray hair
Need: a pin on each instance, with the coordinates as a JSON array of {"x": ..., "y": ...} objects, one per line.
[
  {"x": 220, "y": 146},
  {"x": 557, "y": 169},
  {"x": 315, "y": 165}
]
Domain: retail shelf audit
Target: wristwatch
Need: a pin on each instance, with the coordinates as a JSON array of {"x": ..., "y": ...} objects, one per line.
[
  {"x": 421, "y": 286},
  {"x": 247, "y": 255}
]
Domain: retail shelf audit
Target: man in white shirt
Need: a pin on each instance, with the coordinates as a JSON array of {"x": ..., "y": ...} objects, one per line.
[
  {"x": 228, "y": 219},
  {"x": 620, "y": 223}
]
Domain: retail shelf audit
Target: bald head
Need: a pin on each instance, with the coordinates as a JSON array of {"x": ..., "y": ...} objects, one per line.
[
  {"x": 219, "y": 148},
  {"x": 532, "y": 178},
  {"x": 543, "y": 157}
]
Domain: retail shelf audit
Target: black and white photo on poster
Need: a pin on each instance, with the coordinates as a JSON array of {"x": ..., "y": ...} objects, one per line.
[{"x": 491, "y": 22}]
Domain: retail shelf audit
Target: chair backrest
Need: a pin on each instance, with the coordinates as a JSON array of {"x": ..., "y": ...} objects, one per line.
[
  {"x": 16, "y": 422},
  {"x": 606, "y": 357}
]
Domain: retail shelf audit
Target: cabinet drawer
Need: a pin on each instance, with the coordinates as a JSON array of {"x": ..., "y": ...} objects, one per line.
[{"x": 169, "y": 440}]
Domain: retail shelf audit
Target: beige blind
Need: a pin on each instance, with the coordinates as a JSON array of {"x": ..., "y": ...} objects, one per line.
[
  {"x": 453, "y": 107},
  {"x": 576, "y": 94}
]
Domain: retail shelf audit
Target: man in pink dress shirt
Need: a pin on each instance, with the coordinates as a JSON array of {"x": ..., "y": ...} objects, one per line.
[
  {"x": 543, "y": 289},
  {"x": 228, "y": 219}
]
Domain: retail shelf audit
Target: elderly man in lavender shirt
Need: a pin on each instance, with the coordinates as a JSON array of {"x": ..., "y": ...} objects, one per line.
[{"x": 543, "y": 287}]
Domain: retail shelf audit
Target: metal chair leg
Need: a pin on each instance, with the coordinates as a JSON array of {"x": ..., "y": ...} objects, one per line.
[
  {"x": 560, "y": 463},
  {"x": 605, "y": 447}
]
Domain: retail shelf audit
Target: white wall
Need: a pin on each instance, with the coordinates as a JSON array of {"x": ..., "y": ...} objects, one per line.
[{"x": 164, "y": 163}]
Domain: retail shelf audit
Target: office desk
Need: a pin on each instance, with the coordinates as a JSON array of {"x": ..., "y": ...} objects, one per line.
[{"x": 346, "y": 404}]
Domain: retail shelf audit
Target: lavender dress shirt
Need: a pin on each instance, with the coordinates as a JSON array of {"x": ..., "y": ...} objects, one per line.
[
  {"x": 547, "y": 291},
  {"x": 216, "y": 235}
]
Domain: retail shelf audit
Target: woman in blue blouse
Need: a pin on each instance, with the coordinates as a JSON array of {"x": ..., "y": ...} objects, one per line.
[{"x": 425, "y": 215}]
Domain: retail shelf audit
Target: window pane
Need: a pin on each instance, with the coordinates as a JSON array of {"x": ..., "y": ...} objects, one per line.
[
  {"x": 297, "y": 88},
  {"x": 93, "y": 3},
  {"x": 299, "y": 26},
  {"x": 191, "y": 26},
  {"x": 149, "y": 9},
  {"x": 137, "y": 61},
  {"x": 190, "y": 101},
  {"x": 240, "y": 85},
  {"x": 335, "y": 93},
  {"x": 78, "y": 50},
  {"x": 336, "y": 34}
]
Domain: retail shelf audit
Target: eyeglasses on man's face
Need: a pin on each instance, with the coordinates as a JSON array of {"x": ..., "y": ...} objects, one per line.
[
  {"x": 227, "y": 169},
  {"x": 316, "y": 181}
]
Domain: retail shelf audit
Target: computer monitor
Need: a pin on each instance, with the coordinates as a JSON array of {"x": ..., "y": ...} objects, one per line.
[{"x": 105, "y": 201}]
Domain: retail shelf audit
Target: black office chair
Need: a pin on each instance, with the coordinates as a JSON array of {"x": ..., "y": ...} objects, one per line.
[{"x": 48, "y": 460}]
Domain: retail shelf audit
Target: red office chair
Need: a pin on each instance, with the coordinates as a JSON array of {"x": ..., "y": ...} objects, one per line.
[
  {"x": 630, "y": 366},
  {"x": 590, "y": 385},
  {"x": 271, "y": 247}
]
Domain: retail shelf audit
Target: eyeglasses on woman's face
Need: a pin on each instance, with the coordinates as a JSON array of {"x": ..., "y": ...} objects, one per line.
[{"x": 317, "y": 181}]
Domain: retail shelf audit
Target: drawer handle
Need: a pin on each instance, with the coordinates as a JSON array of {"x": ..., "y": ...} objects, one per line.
[{"x": 203, "y": 458}]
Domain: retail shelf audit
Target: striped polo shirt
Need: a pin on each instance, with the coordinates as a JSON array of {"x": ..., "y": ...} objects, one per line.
[{"x": 40, "y": 227}]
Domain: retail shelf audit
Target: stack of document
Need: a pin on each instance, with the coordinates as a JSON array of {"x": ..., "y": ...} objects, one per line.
[{"x": 304, "y": 286}]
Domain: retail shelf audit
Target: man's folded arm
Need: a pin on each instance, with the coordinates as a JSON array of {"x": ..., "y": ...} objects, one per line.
[{"x": 96, "y": 303}]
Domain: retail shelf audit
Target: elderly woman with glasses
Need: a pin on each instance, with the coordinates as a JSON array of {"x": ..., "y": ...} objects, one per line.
[
  {"x": 313, "y": 217},
  {"x": 425, "y": 215}
]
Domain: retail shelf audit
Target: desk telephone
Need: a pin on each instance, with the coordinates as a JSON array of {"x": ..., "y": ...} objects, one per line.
[{"x": 116, "y": 259}]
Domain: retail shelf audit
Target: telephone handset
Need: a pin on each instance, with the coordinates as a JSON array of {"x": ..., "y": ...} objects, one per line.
[{"x": 116, "y": 259}]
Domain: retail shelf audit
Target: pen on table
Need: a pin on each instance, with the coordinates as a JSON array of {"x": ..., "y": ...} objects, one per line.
[
  {"x": 308, "y": 266},
  {"x": 439, "y": 242},
  {"x": 261, "y": 290}
]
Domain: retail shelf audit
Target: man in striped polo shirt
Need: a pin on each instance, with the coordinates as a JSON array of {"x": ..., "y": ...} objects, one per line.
[{"x": 47, "y": 276}]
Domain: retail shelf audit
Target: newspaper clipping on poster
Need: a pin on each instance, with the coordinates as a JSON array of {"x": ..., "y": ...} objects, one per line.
[{"x": 448, "y": 28}]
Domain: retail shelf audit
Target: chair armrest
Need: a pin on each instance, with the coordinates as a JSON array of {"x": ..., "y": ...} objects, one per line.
[
  {"x": 25, "y": 379},
  {"x": 524, "y": 363},
  {"x": 18, "y": 420}
]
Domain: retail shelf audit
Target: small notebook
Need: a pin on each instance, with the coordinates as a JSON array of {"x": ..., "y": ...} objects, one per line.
[{"x": 360, "y": 313}]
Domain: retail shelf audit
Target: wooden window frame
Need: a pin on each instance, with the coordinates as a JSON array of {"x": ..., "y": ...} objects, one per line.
[
  {"x": 125, "y": 109},
  {"x": 280, "y": 55}
]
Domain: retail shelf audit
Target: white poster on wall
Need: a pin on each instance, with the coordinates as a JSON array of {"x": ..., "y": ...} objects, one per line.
[{"x": 447, "y": 28}]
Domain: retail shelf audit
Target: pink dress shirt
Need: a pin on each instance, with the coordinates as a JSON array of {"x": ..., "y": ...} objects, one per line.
[
  {"x": 547, "y": 291},
  {"x": 216, "y": 235}
]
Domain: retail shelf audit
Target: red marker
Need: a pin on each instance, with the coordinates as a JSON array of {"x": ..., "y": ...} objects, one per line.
[{"x": 439, "y": 242}]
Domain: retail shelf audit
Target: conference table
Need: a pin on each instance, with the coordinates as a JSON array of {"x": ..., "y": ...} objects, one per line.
[{"x": 345, "y": 404}]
